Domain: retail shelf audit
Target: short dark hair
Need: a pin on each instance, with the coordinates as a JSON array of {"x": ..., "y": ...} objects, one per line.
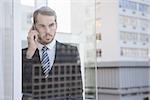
[{"x": 44, "y": 11}]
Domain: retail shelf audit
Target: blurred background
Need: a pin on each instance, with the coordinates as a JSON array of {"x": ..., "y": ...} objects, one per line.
[{"x": 113, "y": 38}]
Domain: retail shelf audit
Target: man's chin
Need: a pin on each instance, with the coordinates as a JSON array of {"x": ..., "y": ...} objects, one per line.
[{"x": 45, "y": 42}]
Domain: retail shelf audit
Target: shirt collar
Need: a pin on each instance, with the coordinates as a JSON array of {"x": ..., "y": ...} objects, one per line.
[{"x": 49, "y": 46}]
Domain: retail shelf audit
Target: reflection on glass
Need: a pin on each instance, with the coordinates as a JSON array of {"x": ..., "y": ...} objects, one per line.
[
  {"x": 28, "y": 2},
  {"x": 45, "y": 72},
  {"x": 58, "y": 5}
]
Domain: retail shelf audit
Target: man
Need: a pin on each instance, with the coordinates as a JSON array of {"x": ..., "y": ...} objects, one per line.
[{"x": 51, "y": 70}]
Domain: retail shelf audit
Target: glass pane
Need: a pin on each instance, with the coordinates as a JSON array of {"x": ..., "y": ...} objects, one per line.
[
  {"x": 63, "y": 10},
  {"x": 6, "y": 50},
  {"x": 124, "y": 62},
  {"x": 78, "y": 19},
  {"x": 28, "y": 2}
]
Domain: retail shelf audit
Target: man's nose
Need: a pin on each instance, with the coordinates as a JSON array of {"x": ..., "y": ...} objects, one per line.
[{"x": 47, "y": 29}]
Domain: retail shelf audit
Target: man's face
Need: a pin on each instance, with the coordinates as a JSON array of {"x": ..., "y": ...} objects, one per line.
[{"x": 46, "y": 26}]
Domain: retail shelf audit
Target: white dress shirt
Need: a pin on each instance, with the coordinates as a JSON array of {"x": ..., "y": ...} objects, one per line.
[{"x": 51, "y": 51}]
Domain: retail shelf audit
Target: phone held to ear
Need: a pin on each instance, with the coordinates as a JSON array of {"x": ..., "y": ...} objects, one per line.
[{"x": 33, "y": 28}]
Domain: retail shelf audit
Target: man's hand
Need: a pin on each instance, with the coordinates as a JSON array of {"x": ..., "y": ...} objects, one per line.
[{"x": 32, "y": 43}]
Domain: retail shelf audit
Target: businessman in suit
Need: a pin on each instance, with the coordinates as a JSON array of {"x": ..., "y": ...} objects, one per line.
[{"x": 50, "y": 70}]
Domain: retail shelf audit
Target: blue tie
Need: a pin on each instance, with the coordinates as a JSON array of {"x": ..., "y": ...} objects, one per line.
[{"x": 45, "y": 61}]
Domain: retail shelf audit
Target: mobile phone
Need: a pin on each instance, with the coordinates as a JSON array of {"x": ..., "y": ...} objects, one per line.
[{"x": 33, "y": 28}]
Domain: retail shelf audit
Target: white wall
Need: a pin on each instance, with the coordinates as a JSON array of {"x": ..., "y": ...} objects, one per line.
[
  {"x": 1, "y": 63},
  {"x": 6, "y": 50},
  {"x": 108, "y": 77},
  {"x": 17, "y": 76},
  {"x": 109, "y": 30},
  {"x": 130, "y": 97},
  {"x": 134, "y": 77},
  {"x": 108, "y": 97}
]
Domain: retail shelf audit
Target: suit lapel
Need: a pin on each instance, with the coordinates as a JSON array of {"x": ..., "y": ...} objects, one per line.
[
  {"x": 56, "y": 52},
  {"x": 36, "y": 57}
]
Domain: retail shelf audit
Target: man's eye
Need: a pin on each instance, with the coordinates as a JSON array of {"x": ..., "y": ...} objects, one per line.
[
  {"x": 51, "y": 25},
  {"x": 42, "y": 26}
]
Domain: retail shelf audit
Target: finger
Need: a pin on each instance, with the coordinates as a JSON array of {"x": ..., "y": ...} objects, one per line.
[
  {"x": 36, "y": 37},
  {"x": 30, "y": 35},
  {"x": 30, "y": 29}
]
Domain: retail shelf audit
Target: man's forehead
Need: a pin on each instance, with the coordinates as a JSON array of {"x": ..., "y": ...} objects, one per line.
[{"x": 45, "y": 18}]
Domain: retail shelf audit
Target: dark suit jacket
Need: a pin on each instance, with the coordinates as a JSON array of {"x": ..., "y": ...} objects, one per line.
[{"x": 64, "y": 81}]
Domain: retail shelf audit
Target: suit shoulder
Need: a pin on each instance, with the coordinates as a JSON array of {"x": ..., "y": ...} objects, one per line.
[{"x": 24, "y": 49}]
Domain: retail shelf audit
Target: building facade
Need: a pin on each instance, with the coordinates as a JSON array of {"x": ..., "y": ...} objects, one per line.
[{"x": 123, "y": 40}]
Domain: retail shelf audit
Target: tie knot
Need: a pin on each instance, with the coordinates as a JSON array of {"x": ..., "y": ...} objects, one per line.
[{"x": 44, "y": 48}]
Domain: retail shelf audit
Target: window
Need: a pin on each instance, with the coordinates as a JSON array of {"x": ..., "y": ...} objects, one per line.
[
  {"x": 143, "y": 8},
  {"x": 56, "y": 86},
  {"x": 67, "y": 78},
  {"x": 43, "y": 92},
  {"x": 27, "y": 2},
  {"x": 56, "y": 78},
  {"x": 128, "y": 4},
  {"x": 62, "y": 78},
  {"x": 73, "y": 69},
  {"x": 36, "y": 71},
  {"x": 36, "y": 87},
  {"x": 67, "y": 69},
  {"x": 36, "y": 80},
  {"x": 56, "y": 70},
  {"x": 62, "y": 69},
  {"x": 43, "y": 87},
  {"x": 50, "y": 86},
  {"x": 146, "y": 98},
  {"x": 98, "y": 52},
  {"x": 43, "y": 80},
  {"x": 98, "y": 36},
  {"x": 63, "y": 10},
  {"x": 62, "y": 85}
]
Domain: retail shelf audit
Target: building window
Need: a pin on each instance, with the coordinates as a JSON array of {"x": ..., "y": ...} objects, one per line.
[
  {"x": 49, "y": 86},
  {"x": 61, "y": 78},
  {"x": 146, "y": 98},
  {"x": 43, "y": 80},
  {"x": 56, "y": 78},
  {"x": 49, "y": 79},
  {"x": 98, "y": 52},
  {"x": 62, "y": 85},
  {"x": 98, "y": 36},
  {"x": 43, "y": 92},
  {"x": 36, "y": 87},
  {"x": 56, "y": 70},
  {"x": 55, "y": 85},
  {"x": 36, "y": 71},
  {"x": 67, "y": 78},
  {"x": 43, "y": 87},
  {"x": 62, "y": 70},
  {"x": 73, "y": 69},
  {"x": 36, "y": 80}
]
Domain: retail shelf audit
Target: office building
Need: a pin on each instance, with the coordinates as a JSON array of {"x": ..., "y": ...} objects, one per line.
[{"x": 123, "y": 40}]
